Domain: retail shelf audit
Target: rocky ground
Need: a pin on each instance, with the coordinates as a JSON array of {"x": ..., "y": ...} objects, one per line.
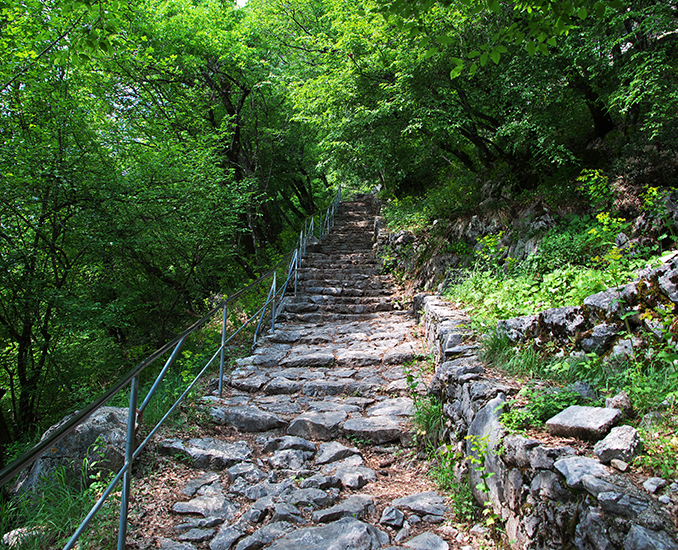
[{"x": 311, "y": 444}]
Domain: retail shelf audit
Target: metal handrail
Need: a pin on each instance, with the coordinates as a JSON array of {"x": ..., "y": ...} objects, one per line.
[{"x": 132, "y": 377}]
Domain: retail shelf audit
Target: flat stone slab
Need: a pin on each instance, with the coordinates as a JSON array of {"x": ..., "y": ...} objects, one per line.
[
  {"x": 227, "y": 536},
  {"x": 265, "y": 535},
  {"x": 326, "y": 406},
  {"x": 249, "y": 471},
  {"x": 345, "y": 534},
  {"x": 355, "y": 506},
  {"x": 247, "y": 418},
  {"x": 315, "y": 388},
  {"x": 197, "y": 535},
  {"x": 319, "y": 481},
  {"x": 194, "y": 484},
  {"x": 198, "y": 523},
  {"x": 283, "y": 386},
  {"x": 208, "y": 453},
  {"x": 356, "y": 358},
  {"x": 169, "y": 544},
  {"x": 289, "y": 459},
  {"x": 622, "y": 504},
  {"x": 333, "y": 451},
  {"x": 428, "y": 503},
  {"x": 315, "y": 425},
  {"x": 640, "y": 538},
  {"x": 310, "y": 359},
  {"x": 400, "y": 406},
  {"x": 376, "y": 429},
  {"x": 427, "y": 541},
  {"x": 310, "y": 497},
  {"x": 267, "y": 489},
  {"x": 576, "y": 467},
  {"x": 251, "y": 384},
  {"x": 392, "y": 517},
  {"x": 590, "y": 423},
  {"x": 288, "y": 442},
  {"x": 212, "y": 504},
  {"x": 355, "y": 477},
  {"x": 400, "y": 354}
]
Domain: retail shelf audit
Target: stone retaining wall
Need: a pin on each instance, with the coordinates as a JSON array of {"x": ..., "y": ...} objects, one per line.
[{"x": 549, "y": 497}]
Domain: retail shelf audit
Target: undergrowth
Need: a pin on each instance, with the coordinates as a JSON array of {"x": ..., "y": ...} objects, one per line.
[
  {"x": 50, "y": 515},
  {"x": 580, "y": 255},
  {"x": 429, "y": 424}
]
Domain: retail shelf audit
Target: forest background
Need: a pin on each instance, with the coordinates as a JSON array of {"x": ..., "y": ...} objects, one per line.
[{"x": 155, "y": 155}]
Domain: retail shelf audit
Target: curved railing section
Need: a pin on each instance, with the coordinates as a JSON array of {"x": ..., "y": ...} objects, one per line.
[{"x": 312, "y": 230}]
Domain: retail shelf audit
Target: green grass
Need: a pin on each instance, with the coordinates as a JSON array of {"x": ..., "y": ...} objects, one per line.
[{"x": 51, "y": 515}]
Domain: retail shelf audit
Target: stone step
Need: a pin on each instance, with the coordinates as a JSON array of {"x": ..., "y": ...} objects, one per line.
[
  {"x": 342, "y": 275},
  {"x": 308, "y": 306},
  {"x": 327, "y": 317},
  {"x": 316, "y": 259},
  {"x": 329, "y": 286},
  {"x": 323, "y": 269},
  {"x": 344, "y": 291}
]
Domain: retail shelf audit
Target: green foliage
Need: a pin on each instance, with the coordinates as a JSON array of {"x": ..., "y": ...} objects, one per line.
[
  {"x": 533, "y": 25},
  {"x": 573, "y": 260},
  {"x": 442, "y": 470},
  {"x": 52, "y": 514},
  {"x": 408, "y": 214},
  {"x": 596, "y": 186},
  {"x": 480, "y": 450},
  {"x": 478, "y": 458},
  {"x": 542, "y": 404},
  {"x": 427, "y": 413},
  {"x": 660, "y": 442},
  {"x": 655, "y": 204}
]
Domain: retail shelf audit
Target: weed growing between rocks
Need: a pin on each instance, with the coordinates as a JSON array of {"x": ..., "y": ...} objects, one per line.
[
  {"x": 447, "y": 466},
  {"x": 660, "y": 441},
  {"x": 45, "y": 519}
]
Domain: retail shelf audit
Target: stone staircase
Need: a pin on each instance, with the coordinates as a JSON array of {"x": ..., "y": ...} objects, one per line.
[
  {"x": 314, "y": 420},
  {"x": 341, "y": 280}
]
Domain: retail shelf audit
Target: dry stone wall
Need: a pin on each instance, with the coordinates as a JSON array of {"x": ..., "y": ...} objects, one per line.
[{"x": 548, "y": 496}]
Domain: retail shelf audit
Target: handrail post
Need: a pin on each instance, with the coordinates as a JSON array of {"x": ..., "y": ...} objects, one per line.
[
  {"x": 223, "y": 351},
  {"x": 162, "y": 374},
  {"x": 296, "y": 271},
  {"x": 273, "y": 302},
  {"x": 129, "y": 451}
]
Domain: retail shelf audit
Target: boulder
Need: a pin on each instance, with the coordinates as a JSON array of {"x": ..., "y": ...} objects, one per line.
[
  {"x": 622, "y": 443},
  {"x": 605, "y": 305},
  {"x": 563, "y": 323},
  {"x": 621, "y": 401},
  {"x": 519, "y": 328},
  {"x": 315, "y": 425},
  {"x": 208, "y": 453},
  {"x": 640, "y": 538},
  {"x": 100, "y": 440},
  {"x": 577, "y": 467},
  {"x": 600, "y": 338},
  {"x": 247, "y": 418}
]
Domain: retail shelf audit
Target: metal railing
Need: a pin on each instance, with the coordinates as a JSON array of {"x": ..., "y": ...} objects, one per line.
[{"x": 274, "y": 299}]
